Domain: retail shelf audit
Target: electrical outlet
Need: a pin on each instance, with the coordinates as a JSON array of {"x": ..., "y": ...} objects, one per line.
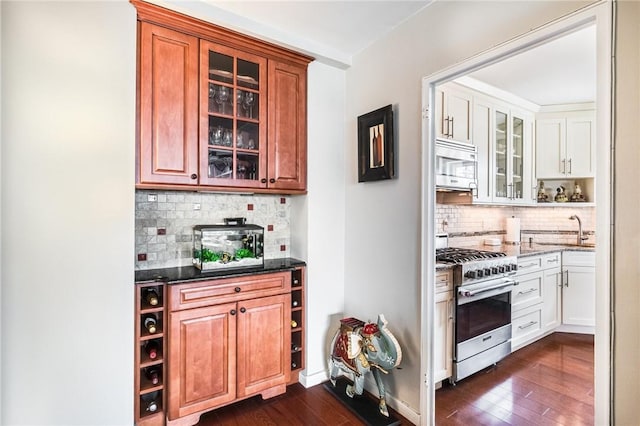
[
  {"x": 196, "y": 206},
  {"x": 152, "y": 198}
]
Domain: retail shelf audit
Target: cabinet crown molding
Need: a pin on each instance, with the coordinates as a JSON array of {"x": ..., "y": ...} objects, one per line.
[{"x": 206, "y": 30}]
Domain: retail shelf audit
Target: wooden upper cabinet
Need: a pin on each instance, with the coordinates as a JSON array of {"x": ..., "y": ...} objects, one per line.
[
  {"x": 218, "y": 109},
  {"x": 168, "y": 108},
  {"x": 287, "y": 126}
]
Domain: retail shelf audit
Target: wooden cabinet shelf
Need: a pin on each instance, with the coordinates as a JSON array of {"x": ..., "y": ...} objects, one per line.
[
  {"x": 298, "y": 315},
  {"x": 146, "y": 393}
]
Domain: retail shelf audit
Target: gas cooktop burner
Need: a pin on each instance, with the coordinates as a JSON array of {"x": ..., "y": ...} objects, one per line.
[{"x": 461, "y": 255}]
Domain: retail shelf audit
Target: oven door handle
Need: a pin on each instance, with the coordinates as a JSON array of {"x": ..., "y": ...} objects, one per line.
[{"x": 474, "y": 292}]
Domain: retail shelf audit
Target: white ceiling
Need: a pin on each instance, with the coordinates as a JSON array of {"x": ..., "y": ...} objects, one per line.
[{"x": 562, "y": 71}]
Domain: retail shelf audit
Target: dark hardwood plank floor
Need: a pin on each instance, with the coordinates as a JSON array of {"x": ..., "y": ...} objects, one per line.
[
  {"x": 549, "y": 382},
  {"x": 299, "y": 406}
]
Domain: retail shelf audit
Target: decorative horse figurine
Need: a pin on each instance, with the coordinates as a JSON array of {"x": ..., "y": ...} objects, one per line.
[{"x": 358, "y": 348}]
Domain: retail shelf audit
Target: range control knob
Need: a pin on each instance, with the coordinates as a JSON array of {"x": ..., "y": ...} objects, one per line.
[
  {"x": 514, "y": 267},
  {"x": 471, "y": 274},
  {"x": 501, "y": 268},
  {"x": 487, "y": 272},
  {"x": 480, "y": 273},
  {"x": 494, "y": 270},
  {"x": 507, "y": 268}
]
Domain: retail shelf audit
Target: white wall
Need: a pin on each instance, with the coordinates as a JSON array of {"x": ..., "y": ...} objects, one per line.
[
  {"x": 318, "y": 227},
  {"x": 382, "y": 273},
  {"x": 68, "y": 128}
]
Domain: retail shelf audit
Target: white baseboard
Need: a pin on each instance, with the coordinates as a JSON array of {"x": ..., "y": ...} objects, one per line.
[{"x": 313, "y": 379}]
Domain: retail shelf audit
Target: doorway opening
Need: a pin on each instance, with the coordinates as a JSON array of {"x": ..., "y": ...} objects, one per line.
[{"x": 516, "y": 183}]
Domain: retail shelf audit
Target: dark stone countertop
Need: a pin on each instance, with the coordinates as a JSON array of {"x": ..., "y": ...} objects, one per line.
[{"x": 184, "y": 274}]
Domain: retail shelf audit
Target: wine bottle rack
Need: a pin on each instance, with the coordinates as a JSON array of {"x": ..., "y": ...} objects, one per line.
[
  {"x": 297, "y": 323},
  {"x": 149, "y": 396}
]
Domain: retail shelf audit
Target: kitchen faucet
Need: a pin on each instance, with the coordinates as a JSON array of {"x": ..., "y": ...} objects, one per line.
[{"x": 581, "y": 238}]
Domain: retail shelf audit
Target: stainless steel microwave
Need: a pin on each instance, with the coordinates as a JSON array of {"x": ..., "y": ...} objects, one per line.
[{"x": 456, "y": 166}]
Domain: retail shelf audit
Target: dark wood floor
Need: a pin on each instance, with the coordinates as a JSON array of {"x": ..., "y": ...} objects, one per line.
[{"x": 547, "y": 383}]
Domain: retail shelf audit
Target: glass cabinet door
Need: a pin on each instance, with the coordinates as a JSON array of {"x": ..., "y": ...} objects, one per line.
[
  {"x": 517, "y": 149},
  {"x": 233, "y": 119},
  {"x": 500, "y": 185}
]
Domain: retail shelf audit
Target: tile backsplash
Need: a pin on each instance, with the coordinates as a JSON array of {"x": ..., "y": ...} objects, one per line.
[
  {"x": 470, "y": 225},
  {"x": 165, "y": 219}
]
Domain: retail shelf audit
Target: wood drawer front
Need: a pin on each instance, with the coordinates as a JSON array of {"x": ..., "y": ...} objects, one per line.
[
  {"x": 528, "y": 291},
  {"x": 206, "y": 293},
  {"x": 526, "y": 325},
  {"x": 552, "y": 260},
  {"x": 444, "y": 281},
  {"x": 529, "y": 264}
]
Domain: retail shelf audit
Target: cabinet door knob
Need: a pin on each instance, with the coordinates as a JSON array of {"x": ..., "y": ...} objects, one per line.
[
  {"x": 237, "y": 289},
  {"x": 233, "y": 312},
  {"x": 272, "y": 180},
  {"x": 243, "y": 310},
  {"x": 194, "y": 176},
  {"x": 263, "y": 180}
]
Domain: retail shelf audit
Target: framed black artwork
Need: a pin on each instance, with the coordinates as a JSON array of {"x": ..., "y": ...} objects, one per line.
[{"x": 375, "y": 145}]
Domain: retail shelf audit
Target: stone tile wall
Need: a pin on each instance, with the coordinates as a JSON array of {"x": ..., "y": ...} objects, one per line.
[
  {"x": 164, "y": 227},
  {"x": 470, "y": 225}
]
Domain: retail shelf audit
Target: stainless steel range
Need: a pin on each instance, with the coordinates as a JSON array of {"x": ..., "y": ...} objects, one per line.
[{"x": 483, "y": 281}]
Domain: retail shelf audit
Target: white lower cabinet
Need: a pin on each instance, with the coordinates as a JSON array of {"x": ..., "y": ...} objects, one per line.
[
  {"x": 552, "y": 306},
  {"x": 579, "y": 296},
  {"x": 526, "y": 325},
  {"x": 443, "y": 327},
  {"x": 528, "y": 291},
  {"x": 535, "y": 301},
  {"x": 579, "y": 290}
]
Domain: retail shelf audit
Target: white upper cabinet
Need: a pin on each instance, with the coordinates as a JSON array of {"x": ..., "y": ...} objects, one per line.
[
  {"x": 565, "y": 145},
  {"x": 453, "y": 113},
  {"x": 503, "y": 136}
]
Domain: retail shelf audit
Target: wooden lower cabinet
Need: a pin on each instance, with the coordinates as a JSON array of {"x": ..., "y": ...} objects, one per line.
[
  {"x": 225, "y": 352},
  {"x": 202, "y": 371}
]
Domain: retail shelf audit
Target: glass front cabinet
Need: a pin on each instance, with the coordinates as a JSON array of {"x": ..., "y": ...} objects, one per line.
[
  {"x": 512, "y": 157},
  {"x": 233, "y": 130}
]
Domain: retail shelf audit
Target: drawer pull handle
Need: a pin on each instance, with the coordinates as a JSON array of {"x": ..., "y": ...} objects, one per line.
[
  {"x": 233, "y": 312},
  {"x": 486, "y": 338},
  {"x": 237, "y": 289},
  {"x": 552, "y": 260},
  {"x": 243, "y": 310},
  {"x": 531, "y": 290},
  {"x": 522, "y": 327},
  {"x": 528, "y": 265}
]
